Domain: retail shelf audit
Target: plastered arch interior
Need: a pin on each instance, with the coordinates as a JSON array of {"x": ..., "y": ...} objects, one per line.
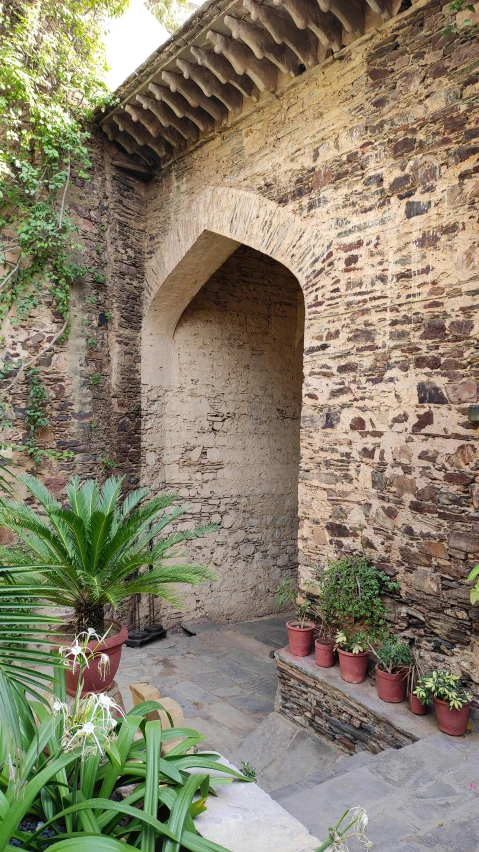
[
  {"x": 215, "y": 225},
  {"x": 222, "y": 352}
]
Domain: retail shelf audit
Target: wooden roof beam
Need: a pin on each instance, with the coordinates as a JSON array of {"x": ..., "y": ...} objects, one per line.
[
  {"x": 243, "y": 60},
  {"x": 211, "y": 86},
  {"x": 349, "y": 12},
  {"x": 306, "y": 14},
  {"x": 194, "y": 95},
  {"x": 169, "y": 119},
  {"x": 382, "y": 7},
  {"x": 170, "y": 133},
  {"x": 141, "y": 135},
  {"x": 146, "y": 118},
  {"x": 181, "y": 107},
  {"x": 263, "y": 45},
  {"x": 278, "y": 24},
  {"x": 224, "y": 71}
]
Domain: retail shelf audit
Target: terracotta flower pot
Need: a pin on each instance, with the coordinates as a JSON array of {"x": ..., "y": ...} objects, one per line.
[
  {"x": 416, "y": 707},
  {"x": 92, "y": 678},
  {"x": 391, "y": 687},
  {"x": 353, "y": 666},
  {"x": 324, "y": 653},
  {"x": 452, "y": 722},
  {"x": 300, "y": 638}
]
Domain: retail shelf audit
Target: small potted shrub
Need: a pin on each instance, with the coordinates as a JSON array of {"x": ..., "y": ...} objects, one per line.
[
  {"x": 416, "y": 706},
  {"x": 392, "y": 671},
  {"x": 350, "y": 600},
  {"x": 353, "y": 655},
  {"x": 301, "y": 629},
  {"x": 324, "y": 646},
  {"x": 451, "y": 700}
]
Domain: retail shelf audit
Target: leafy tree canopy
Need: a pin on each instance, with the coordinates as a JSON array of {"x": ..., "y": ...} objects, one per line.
[{"x": 51, "y": 67}]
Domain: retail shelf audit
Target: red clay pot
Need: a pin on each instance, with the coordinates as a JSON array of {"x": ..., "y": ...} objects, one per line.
[
  {"x": 452, "y": 722},
  {"x": 324, "y": 653},
  {"x": 92, "y": 679},
  {"x": 353, "y": 666},
  {"x": 416, "y": 707},
  {"x": 391, "y": 687},
  {"x": 299, "y": 638}
]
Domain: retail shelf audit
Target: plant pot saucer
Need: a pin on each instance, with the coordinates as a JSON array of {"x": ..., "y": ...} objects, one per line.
[{"x": 138, "y": 638}]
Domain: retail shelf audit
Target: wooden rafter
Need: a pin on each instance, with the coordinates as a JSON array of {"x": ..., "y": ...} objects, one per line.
[
  {"x": 263, "y": 73},
  {"x": 278, "y": 24},
  {"x": 211, "y": 86},
  {"x": 181, "y": 107}
]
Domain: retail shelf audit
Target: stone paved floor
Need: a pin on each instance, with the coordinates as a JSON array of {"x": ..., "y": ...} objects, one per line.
[{"x": 223, "y": 677}]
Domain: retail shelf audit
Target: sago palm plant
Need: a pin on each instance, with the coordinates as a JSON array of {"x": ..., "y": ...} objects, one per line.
[{"x": 91, "y": 553}]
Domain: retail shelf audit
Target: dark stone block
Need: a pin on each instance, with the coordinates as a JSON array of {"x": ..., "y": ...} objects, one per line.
[
  {"x": 417, "y": 208},
  {"x": 430, "y": 392}
]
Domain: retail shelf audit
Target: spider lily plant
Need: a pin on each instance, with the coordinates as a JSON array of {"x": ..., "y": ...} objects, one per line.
[
  {"x": 91, "y": 553},
  {"x": 71, "y": 764}
]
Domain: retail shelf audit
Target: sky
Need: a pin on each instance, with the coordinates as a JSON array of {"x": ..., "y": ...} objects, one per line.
[{"x": 130, "y": 41}]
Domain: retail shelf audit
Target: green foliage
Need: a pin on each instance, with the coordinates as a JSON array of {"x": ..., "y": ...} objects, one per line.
[
  {"x": 107, "y": 462},
  {"x": 460, "y": 6},
  {"x": 72, "y": 792},
  {"x": 95, "y": 378},
  {"x": 19, "y": 658},
  {"x": 350, "y": 596},
  {"x": 354, "y": 642},
  {"x": 394, "y": 654},
  {"x": 474, "y": 578},
  {"x": 88, "y": 553},
  {"x": 248, "y": 770},
  {"x": 353, "y": 823},
  {"x": 35, "y": 415},
  {"x": 92, "y": 343},
  {"x": 289, "y": 593},
  {"x": 170, "y": 13},
  {"x": 445, "y": 686},
  {"x": 51, "y": 63}
]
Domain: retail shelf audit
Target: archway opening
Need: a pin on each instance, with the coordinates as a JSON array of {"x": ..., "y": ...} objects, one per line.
[{"x": 230, "y": 430}]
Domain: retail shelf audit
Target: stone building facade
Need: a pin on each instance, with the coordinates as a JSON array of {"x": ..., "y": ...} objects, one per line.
[{"x": 293, "y": 299}]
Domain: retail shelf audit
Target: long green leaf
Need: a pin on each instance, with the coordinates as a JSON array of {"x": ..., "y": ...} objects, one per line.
[{"x": 150, "y": 804}]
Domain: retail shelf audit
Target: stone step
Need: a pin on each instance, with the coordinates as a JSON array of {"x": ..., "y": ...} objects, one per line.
[
  {"x": 278, "y": 747},
  {"x": 418, "y": 798}
]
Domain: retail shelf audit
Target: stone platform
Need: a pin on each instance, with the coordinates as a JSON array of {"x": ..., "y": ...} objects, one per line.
[{"x": 350, "y": 715}]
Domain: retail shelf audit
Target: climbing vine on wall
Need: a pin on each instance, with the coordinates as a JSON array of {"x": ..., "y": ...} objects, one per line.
[{"x": 51, "y": 66}]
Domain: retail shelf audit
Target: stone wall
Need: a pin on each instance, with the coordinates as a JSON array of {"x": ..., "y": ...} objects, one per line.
[
  {"x": 362, "y": 178},
  {"x": 350, "y": 715},
  {"x": 226, "y": 437},
  {"x": 93, "y": 405}
]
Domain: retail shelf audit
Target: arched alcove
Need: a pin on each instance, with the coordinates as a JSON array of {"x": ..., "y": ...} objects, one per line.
[{"x": 222, "y": 379}]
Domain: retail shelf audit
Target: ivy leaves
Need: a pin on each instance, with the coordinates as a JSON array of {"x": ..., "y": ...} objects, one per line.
[{"x": 51, "y": 67}]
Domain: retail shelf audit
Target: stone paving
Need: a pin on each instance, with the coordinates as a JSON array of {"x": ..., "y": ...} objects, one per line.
[
  {"x": 421, "y": 798},
  {"x": 223, "y": 677}
]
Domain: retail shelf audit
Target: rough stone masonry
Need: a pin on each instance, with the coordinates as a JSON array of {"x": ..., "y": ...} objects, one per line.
[{"x": 358, "y": 178}]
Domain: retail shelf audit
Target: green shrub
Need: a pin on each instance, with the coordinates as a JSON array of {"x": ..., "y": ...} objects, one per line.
[{"x": 350, "y": 596}]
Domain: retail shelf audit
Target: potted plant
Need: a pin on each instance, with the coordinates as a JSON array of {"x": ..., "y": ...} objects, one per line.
[
  {"x": 451, "y": 700},
  {"x": 415, "y": 673},
  {"x": 353, "y": 655},
  {"x": 324, "y": 647},
  {"x": 392, "y": 671},
  {"x": 301, "y": 629},
  {"x": 350, "y": 601},
  {"x": 87, "y": 555}
]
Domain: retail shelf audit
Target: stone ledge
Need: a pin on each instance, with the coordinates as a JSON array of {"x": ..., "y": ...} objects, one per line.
[
  {"x": 350, "y": 715},
  {"x": 242, "y": 817}
]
